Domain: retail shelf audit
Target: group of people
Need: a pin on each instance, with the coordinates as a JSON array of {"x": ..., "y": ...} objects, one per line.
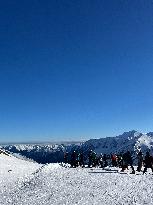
[
  {"x": 146, "y": 161},
  {"x": 77, "y": 158}
]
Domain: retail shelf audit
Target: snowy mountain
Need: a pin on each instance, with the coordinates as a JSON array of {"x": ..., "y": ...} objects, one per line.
[
  {"x": 52, "y": 153},
  {"x": 132, "y": 141},
  {"x": 26, "y": 183},
  {"x": 42, "y": 153}
]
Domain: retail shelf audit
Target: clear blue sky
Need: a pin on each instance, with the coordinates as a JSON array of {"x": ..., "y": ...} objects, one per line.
[{"x": 75, "y": 69}]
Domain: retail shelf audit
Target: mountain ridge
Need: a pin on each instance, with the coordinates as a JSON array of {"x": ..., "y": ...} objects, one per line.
[{"x": 133, "y": 141}]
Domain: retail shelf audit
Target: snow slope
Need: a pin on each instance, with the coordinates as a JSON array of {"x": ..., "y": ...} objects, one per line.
[
  {"x": 51, "y": 184},
  {"x": 13, "y": 171}
]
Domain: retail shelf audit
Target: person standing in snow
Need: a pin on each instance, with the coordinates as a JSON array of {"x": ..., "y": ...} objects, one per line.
[
  {"x": 148, "y": 162},
  {"x": 66, "y": 157},
  {"x": 140, "y": 161},
  {"x": 105, "y": 160},
  {"x": 101, "y": 160},
  {"x": 90, "y": 158},
  {"x": 120, "y": 160},
  {"x": 127, "y": 160},
  {"x": 73, "y": 159},
  {"x": 94, "y": 159},
  {"x": 78, "y": 159},
  {"x": 81, "y": 162},
  {"x": 114, "y": 160}
]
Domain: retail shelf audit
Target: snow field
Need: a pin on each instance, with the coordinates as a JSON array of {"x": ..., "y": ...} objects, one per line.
[
  {"x": 30, "y": 183},
  {"x": 12, "y": 173}
]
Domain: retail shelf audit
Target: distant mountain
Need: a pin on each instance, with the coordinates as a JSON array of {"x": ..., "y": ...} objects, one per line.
[
  {"x": 42, "y": 153},
  {"x": 133, "y": 141},
  {"x": 50, "y": 153}
]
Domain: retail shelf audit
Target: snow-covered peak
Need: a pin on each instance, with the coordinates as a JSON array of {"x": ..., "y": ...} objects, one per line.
[
  {"x": 130, "y": 135},
  {"x": 150, "y": 134},
  {"x": 144, "y": 142},
  {"x": 51, "y": 153},
  {"x": 132, "y": 141},
  {"x": 3, "y": 152}
]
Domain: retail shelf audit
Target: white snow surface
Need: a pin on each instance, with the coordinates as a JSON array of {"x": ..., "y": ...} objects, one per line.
[
  {"x": 13, "y": 170},
  {"x": 25, "y": 183}
]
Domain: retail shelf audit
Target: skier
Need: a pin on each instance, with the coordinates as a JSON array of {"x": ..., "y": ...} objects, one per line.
[
  {"x": 140, "y": 161},
  {"x": 148, "y": 162}
]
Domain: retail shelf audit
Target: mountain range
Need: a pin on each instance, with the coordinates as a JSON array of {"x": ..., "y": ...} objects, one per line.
[{"x": 133, "y": 141}]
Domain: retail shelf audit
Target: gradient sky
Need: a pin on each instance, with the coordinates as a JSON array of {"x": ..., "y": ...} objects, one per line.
[{"x": 75, "y": 69}]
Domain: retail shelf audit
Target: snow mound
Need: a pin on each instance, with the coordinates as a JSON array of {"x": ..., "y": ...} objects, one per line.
[{"x": 12, "y": 173}]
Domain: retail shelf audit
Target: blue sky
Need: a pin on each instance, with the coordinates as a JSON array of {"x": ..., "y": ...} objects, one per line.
[{"x": 72, "y": 70}]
